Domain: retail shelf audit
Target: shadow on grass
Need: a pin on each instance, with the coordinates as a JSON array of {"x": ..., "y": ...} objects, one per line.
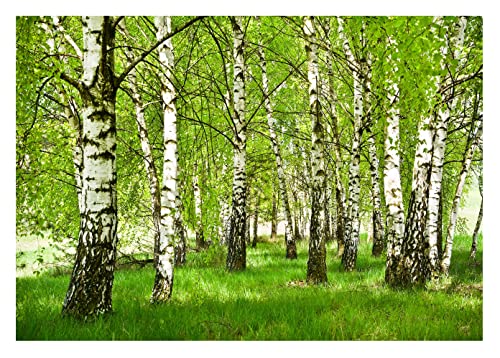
[{"x": 257, "y": 304}]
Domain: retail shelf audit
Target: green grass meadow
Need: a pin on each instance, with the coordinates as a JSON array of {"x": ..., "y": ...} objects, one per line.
[{"x": 268, "y": 301}]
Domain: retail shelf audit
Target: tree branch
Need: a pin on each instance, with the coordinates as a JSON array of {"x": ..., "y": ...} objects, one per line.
[{"x": 152, "y": 48}]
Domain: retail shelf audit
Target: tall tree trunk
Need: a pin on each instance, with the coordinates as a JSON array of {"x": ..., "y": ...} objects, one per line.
[
  {"x": 475, "y": 235},
  {"x": 439, "y": 146},
  {"x": 90, "y": 288},
  {"x": 440, "y": 227},
  {"x": 256, "y": 219},
  {"x": 476, "y": 138},
  {"x": 236, "y": 254},
  {"x": 352, "y": 223},
  {"x": 152, "y": 174},
  {"x": 291, "y": 250},
  {"x": 180, "y": 247},
  {"x": 392, "y": 181},
  {"x": 316, "y": 264},
  {"x": 274, "y": 218},
  {"x": 200, "y": 239},
  {"x": 164, "y": 278},
  {"x": 225, "y": 223},
  {"x": 377, "y": 226}
]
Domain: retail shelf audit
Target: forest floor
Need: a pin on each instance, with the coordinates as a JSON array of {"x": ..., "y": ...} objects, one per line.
[{"x": 267, "y": 301}]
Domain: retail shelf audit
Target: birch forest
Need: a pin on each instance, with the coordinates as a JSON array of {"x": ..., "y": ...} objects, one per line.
[{"x": 249, "y": 177}]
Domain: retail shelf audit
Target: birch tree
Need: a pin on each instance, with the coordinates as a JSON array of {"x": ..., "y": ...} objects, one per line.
[
  {"x": 352, "y": 218},
  {"x": 475, "y": 235},
  {"x": 392, "y": 175},
  {"x": 337, "y": 168},
  {"x": 164, "y": 277},
  {"x": 316, "y": 264},
  {"x": 90, "y": 288},
  {"x": 236, "y": 255}
]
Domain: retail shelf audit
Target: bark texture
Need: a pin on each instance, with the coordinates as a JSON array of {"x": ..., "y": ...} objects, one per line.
[
  {"x": 90, "y": 289},
  {"x": 236, "y": 255},
  {"x": 316, "y": 264},
  {"x": 392, "y": 180},
  {"x": 352, "y": 223},
  {"x": 164, "y": 277}
]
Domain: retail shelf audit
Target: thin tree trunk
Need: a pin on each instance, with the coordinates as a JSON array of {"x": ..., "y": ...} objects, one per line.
[
  {"x": 274, "y": 218},
  {"x": 236, "y": 255},
  {"x": 164, "y": 278},
  {"x": 152, "y": 174},
  {"x": 90, "y": 289},
  {"x": 446, "y": 260},
  {"x": 291, "y": 250},
  {"x": 352, "y": 223},
  {"x": 378, "y": 228},
  {"x": 225, "y": 223},
  {"x": 256, "y": 219},
  {"x": 316, "y": 264},
  {"x": 200, "y": 239},
  {"x": 180, "y": 247},
  {"x": 475, "y": 235}
]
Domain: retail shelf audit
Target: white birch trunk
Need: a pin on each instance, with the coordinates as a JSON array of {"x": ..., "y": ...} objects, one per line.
[
  {"x": 316, "y": 264},
  {"x": 291, "y": 250},
  {"x": 392, "y": 181},
  {"x": 475, "y": 235},
  {"x": 90, "y": 288},
  {"x": 439, "y": 146},
  {"x": 164, "y": 278},
  {"x": 200, "y": 240},
  {"x": 352, "y": 223},
  {"x": 469, "y": 154},
  {"x": 377, "y": 226},
  {"x": 236, "y": 255}
]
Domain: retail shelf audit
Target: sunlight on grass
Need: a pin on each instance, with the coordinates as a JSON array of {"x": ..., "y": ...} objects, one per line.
[{"x": 260, "y": 303}]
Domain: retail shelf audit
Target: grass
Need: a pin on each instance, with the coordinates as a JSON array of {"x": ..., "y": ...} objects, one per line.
[{"x": 265, "y": 302}]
